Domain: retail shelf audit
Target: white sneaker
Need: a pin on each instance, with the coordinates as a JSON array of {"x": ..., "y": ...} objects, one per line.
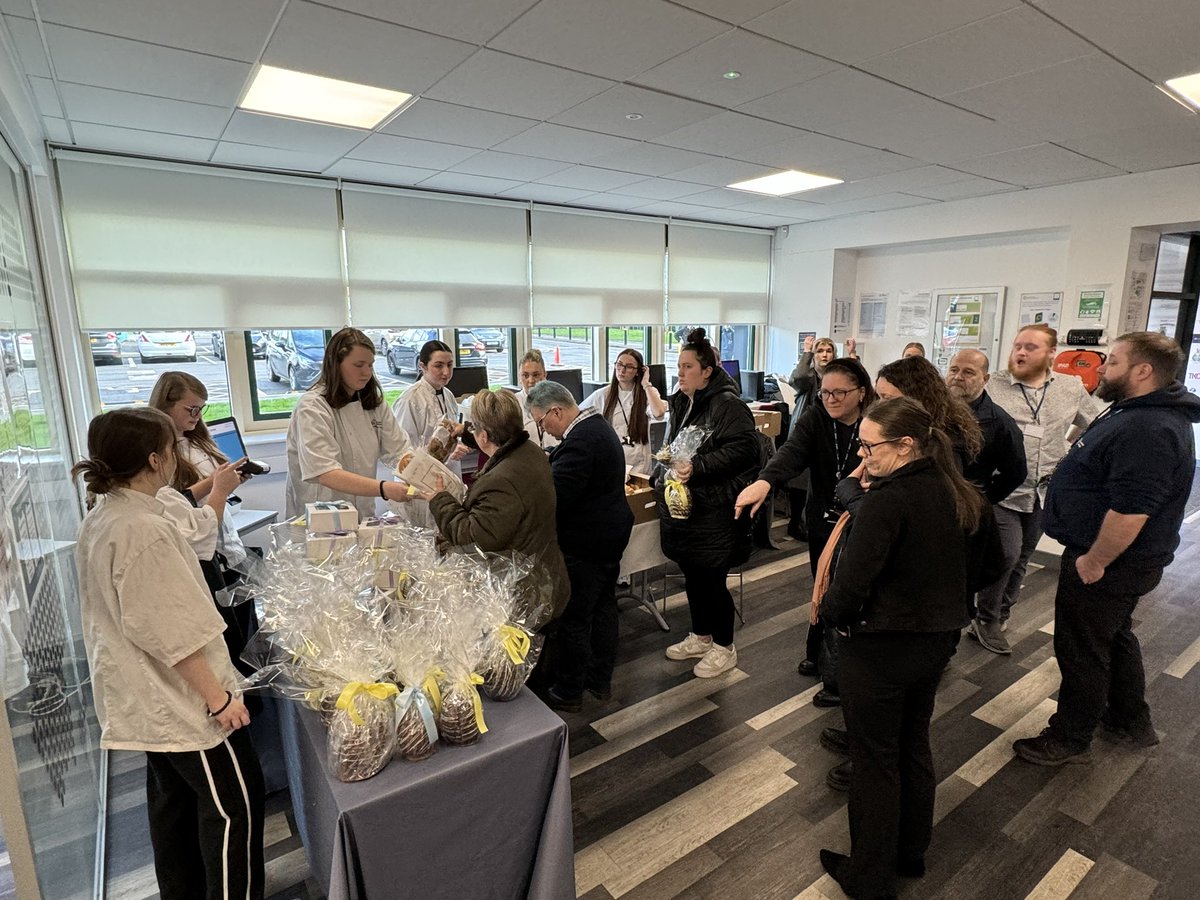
[
  {"x": 717, "y": 661},
  {"x": 691, "y": 647}
]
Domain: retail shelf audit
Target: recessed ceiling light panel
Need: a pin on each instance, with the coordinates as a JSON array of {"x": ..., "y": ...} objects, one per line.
[
  {"x": 782, "y": 183},
  {"x": 299, "y": 95},
  {"x": 1186, "y": 87}
]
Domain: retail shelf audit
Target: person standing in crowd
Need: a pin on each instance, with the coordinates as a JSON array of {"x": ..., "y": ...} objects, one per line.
[
  {"x": 511, "y": 502},
  {"x": 341, "y": 430},
  {"x": 532, "y": 371},
  {"x": 161, "y": 675},
  {"x": 629, "y": 403},
  {"x": 1045, "y": 406},
  {"x": 918, "y": 378},
  {"x": 594, "y": 522},
  {"x": 425, "y": 407},
  {"x": 1116, "y": 504},
  {"x": 900, "y": 629},
  {"x": 806, "y": 379},
  {"x": 913, "y": 348},
  {"x": 710, "y": 540},
  {"x": 824, "y": 443},
  {"x": 1000, "y": 466}
]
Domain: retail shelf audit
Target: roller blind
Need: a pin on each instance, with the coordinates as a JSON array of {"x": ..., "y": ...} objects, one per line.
[
  {"x": 160, "y": 245},
  {"x": 718, "y": 275},
  {"x": 593, "y": 269},
  {"x": 421, "y": 259}
]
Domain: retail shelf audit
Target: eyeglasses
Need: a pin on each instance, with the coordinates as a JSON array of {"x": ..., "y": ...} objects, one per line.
[
  {"x": 837, "y": 394},
  {"x": 868, "y": 449},
  {"x": 538, "y": 422},
  {"x": 627, "y": 367},
  {"x": 195, "y": 410}
]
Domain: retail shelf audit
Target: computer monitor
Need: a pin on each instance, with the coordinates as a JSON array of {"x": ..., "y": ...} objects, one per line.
[
  {"x": 571, "y": 379},
  {"x": 752, "y": 386},
  {"x": 468, "y": 380},
  {"x": 658, "y": 378},
  {"x": 733, "y": 367}
]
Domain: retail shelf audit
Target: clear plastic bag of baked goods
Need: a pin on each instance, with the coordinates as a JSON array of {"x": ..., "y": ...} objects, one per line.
[
  {"x": 507, "y": 622},
  {"x": 362, "y": 730},
  {"x": 422, "y": 471},
  {"x": 415, "y": 668},
  {"x": 460, "y": 716},
  {"x": 685, "y": 446},
  {"x": 443, "y": 440}
]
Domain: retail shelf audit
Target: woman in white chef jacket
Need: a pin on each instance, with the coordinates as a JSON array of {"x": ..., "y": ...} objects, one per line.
[
  {"x": 531, "y": 371},
  {"x": 629, "y": 403},
  {"x": 341, "y": 430},
  {"x": 424, "y": 407}
]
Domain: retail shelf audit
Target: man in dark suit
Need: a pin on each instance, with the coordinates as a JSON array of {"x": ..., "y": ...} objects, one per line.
[{"x": 594, "y": 521}]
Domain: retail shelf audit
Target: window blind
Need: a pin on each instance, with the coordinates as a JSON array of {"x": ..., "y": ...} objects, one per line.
[{"x": 718, "y": 274}]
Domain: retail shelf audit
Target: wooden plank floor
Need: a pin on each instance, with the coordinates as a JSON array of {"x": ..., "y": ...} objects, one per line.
[{"x": 714, "y": 789}]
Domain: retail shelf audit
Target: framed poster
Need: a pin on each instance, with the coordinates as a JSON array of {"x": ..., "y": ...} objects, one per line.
[{"x": 967, "y": 317}]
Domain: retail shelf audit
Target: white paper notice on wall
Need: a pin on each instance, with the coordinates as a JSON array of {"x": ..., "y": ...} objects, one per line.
[
  {"x": 872, "y": 315},
  {"x": 914, "y": 314},
  {"x": 1041, "y": 309},
  {"x": 843, "y": 321}
]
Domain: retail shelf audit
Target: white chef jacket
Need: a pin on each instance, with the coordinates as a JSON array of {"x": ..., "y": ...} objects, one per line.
[
  {"x": 198, "y": 525},
  {"x": 542, "y": 438},
  {"x": 322, "y": 439},
  {"x": 226, "y": 537},
  {"x": 636, "y": 455},
  {"x": 419, "y": 411}
]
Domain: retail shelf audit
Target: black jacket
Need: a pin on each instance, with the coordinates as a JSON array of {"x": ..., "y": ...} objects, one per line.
[
  {"x": 907, "y": 565},
  {"x": 594, "y": 519},
  {"x": 727, "y": 462},
  {"x": 811, "y": 446},
  {"x": 1000, "y": 467}
]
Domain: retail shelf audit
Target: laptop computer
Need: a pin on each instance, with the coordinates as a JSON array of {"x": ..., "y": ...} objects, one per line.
[{"x": 228, "y": 438}]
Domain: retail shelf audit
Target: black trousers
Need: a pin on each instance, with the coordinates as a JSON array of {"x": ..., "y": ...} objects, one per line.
[
  {"x": 888, "y": 681},
  {"x": 586, "y": 634},
  {"x": 206, "y": 821},
  {"x": 818, "y": 537},
  {"x": 709, "y": 601},
  {"x": 1098, "y": 654}
]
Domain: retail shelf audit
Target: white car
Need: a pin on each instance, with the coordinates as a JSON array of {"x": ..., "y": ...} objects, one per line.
[
  {"x": 25, "y": 349},
  {"x": 166, "y": 345}
]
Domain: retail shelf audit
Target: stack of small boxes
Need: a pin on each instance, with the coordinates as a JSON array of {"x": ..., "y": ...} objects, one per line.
[{"x": 332, "y": 527}]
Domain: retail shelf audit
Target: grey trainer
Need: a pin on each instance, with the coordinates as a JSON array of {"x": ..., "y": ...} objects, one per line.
[{"x": 990, "y": 637}]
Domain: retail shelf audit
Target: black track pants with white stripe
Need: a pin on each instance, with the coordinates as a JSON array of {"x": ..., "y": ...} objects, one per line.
[{"x": 206, "y": 821}]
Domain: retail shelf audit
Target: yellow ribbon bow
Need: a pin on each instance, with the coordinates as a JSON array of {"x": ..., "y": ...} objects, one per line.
[
  {"x": 516, "y": 643},
  {"x": 380, "y": 690},
  {"x": 477, "y": 703},
  {"x": 430, "y": 687}
]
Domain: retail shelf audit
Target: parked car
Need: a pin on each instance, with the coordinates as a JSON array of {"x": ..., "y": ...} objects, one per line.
[
  {"x": 8, "y": 350},
  {"x": 403, "y": 351},
  {"x": 296, "y": 355},
  {"x": 493, "y": 338},
  {"x": 166, "y": 345},
  {"x": 382, "y": 337},
  {"x": 258, "y": 344},
  {"x": 105, "y": 347},
  {"x": 25, "y": 347}
]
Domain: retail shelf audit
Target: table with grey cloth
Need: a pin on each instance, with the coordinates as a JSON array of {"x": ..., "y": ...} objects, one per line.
[{"x": 490, "y": 820}]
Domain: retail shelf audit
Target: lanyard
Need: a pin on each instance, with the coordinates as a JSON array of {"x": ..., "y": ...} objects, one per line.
[
  {"x": 1036, "y": 410},
  {"x": 842, "y": 458},
  {"x": 626, "y": 440}
]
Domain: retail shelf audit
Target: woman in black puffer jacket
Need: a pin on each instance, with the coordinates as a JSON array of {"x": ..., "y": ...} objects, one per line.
[{"x": 710, "y": 540}]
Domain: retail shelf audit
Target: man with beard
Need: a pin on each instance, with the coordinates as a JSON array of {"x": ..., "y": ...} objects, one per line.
[
  {"x": 1045, "y": 406},
  {"x": 1116, "y": 504}
]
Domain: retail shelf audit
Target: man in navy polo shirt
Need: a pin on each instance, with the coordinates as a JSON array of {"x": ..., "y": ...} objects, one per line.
[{"x": 1116, "y": 503}]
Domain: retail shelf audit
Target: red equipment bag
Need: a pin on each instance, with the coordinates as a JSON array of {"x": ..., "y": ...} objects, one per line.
[{"x": 1082, "y": 363}]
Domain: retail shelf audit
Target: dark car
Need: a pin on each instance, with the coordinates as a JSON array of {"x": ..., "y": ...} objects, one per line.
[
  {"x": 8, "y": 350},
  {"x": 106, "y": 347},
  {"x": 493, "y": 338},
  {"x": 296, "y": 355},
  {"x": 258, "y": 344},
  {"x": 403, "y": 351}
]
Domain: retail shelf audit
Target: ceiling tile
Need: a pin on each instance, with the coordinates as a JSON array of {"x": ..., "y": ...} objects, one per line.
[
  {"x": 1016, "y": 41},
  {"x": 842, "y": 95},
  {"x": 870, "y": 164},
  {"x": 776, "y": 206},
  {"x": 378, "y": 173},
  {"x": 559, "y": 142},
  {"x": 720, "y": 172},
  {"x": 1158, "y": 39},
  {"x": 519, "y": 87},
  {"x": 906, "y": 181},
  {"x": 507, "y": 165},
  {"x": 88, "y": 58},
  {"x": 236, "y": 154},
  {"x": 235, "y": 29},
  {"x": 106, "y": 107},
  {"x": 434, "y": 120},
  {"x": 22, "y": 8},
  {"x": 24, "y": 33},
  {"x": 338, "y": 44},
  {"x": 150, "y": 143},
  {"x": 1071, "y": 99},
  {"x": 806, "y": 149},
  {"x": 546, "y": 193},
  {"x": 1173, "y": 143},
  {"x": 468, "y": 184},
  {"x": 56, "y": 130},
  {"x": 878, "y": 204},
  {"x": 615, "y": 39},
  {"x": 959, "y": 190},
  {"x": 660, "y": 113},
  {"x": 466, "y": 20},
  {"x": 610, "y": 201},
  {"x": 651, "y": 159},
  {"x": 766, "y": 66},
  {"x": 673, "y": 208},
  {"x": 662, "y": 189},
  {"x": 46, "y": 97},
  {"x": 727, "y": 134},
  {"x": 773, "y": 221},
  {"x": 718, "y": 198},
  {"x": 401, "y": 151},
  {"x": 1037, "y": 165},
  {"x": 853, "y": 30},
  {"x": 733, "y": 11},
  {"x": 292, "y": 134},
  {"x": 590, "y": 178}
]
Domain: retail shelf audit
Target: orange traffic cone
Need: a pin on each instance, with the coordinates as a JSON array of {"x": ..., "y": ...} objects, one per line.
[{"x": 557, "y": 357}]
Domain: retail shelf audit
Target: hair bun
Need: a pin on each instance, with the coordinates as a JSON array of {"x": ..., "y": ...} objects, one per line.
[{"x": 697, "y": 336}]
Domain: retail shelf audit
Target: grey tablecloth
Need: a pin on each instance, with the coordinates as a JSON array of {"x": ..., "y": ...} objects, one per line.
[{"x": 492, "y": 820}]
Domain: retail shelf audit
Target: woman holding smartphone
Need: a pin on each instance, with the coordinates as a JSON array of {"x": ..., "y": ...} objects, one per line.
[{"x": 629, "y": 403}]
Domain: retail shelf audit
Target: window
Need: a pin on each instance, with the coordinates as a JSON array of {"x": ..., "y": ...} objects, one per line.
[
  {"x": 128, "y": 363},
  {"x": 285, "y": 364},
  {"x": 496, "y": 346},
  {"x": 620, "y": 337},
  {"x": 736, "y": 342},
  {"x": 566, "y": 347}
]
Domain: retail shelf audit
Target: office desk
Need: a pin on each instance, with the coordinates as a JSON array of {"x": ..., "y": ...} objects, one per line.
[
  {"x": 492, "y": 820},
  {"x": 248, "y": 520}
]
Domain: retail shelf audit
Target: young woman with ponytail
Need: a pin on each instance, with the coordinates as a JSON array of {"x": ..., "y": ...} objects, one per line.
[
  {"x": 923, "y": 541},
  {"x": 162, "y": 677}
]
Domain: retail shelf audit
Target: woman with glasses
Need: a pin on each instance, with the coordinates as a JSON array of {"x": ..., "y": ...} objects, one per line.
[
  {"x": 533, "y": 371},
  {"x": 899, "y": 628},
  {"x": 629, "y": 403},
  {"x": 825, "y": 444}
]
